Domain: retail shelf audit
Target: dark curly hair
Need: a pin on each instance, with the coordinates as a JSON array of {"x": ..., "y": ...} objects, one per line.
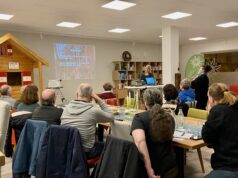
[{"x": 170, "y": 92}]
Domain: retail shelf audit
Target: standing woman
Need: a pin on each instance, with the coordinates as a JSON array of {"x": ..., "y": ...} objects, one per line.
[
  {"x": 152, "y": 132},
  {"x": 220, "y": 131},
  {"x": 147, "y": 73},
  {"x": 29, "y": 99},
  {"x": 201, "y": 84}
]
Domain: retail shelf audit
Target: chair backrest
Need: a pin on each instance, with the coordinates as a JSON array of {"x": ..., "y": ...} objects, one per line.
[
  {"x": 120, "y": 158},
  {"x": 112, "y": 101},
  {"x": 198, "y": 113},
  {"x": 169, "y": 107},
  {"x": 121, "y": 129},
  {"x": 234, "y": 88},
  {"x": 24, "y": 159},
  {"x": 191, "y": 104},
  {"x": 61, "y": 154},
  {"x": 4, "y": 120}
]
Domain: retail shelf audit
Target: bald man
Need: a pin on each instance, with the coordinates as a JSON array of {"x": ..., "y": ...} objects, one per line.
[{"x": 47, "y": 111}]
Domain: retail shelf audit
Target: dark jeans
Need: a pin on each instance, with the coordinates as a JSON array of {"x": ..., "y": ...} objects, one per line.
[
  {"x": 95, "y": 151},
  {"x": 222, "y": 174}
]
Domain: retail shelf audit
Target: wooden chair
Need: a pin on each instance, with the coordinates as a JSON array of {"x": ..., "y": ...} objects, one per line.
[{"x": 199, "y": 114}]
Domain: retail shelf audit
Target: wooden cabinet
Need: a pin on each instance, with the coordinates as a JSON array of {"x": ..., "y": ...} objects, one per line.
[{"x": 125, "y": 72}]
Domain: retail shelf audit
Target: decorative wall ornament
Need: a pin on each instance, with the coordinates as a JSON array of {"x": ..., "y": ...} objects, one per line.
[
  {"x": 126, "y": 56},
  {"x": 193, "y": 65},
  {"x": 214, "y": 65}
]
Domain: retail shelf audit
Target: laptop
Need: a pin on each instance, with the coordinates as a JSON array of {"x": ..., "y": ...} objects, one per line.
[{"x": 150, "y": 80}]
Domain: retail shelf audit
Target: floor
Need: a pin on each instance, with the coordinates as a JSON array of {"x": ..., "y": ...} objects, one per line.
[{"x": 192, "y": 168}]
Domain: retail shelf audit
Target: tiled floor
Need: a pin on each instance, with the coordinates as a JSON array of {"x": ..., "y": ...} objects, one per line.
[{"x": 192, "y": 168}]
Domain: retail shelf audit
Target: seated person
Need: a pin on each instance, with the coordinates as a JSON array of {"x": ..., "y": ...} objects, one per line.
[
  {"x": 147, "y": 73},
  {"x": 171, "y": 98},
  {"x": 152, "y": 132},
  {"x": 19, "y": 101},
  {"x": 6, "y": 93},
  {"x": 107, "y": 94},
  {"x": 82, "y": 114},
  {"x": 17, "y": 122},
  {"x": 221, "y": 130},
  {"x": 47, "y": 111},
  {"x": 29, "y": 99},
  {"x": 186, "y": 94}
]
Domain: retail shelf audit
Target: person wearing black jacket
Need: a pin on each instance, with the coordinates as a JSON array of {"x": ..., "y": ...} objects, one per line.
[
  {"x": 47, "y": 111},
  {"x": 221, "y": 130},
  {"x": 201, "y": 84}
]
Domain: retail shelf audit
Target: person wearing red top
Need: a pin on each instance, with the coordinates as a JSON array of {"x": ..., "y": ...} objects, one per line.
[{"x": 107, "y": 94}]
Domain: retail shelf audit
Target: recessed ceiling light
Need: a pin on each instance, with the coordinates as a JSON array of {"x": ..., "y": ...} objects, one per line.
[
  {"x": 161, "y": 36},
  {"x": 198, "y": 38},
  {"x": 119, "y": 30},
  {"x": 228, "y": 24},
  {"x": 118, "y": 5},
  {"x": 5, "y": 16},
  {"x": 176, "y": 15},
  {"x": 68, "y": 24}
]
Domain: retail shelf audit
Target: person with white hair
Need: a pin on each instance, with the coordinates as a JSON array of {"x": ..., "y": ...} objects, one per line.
[
  {"x": 6, "y": 93},
  {"x": 186, "y": 93},
  {"x": 147, "y": 73},
  {"x": 47, "y": 111},
  {"x": 82, "y": 114}
]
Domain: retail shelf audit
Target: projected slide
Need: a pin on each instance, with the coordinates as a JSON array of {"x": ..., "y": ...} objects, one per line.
[{"x": 73, "y": 61}]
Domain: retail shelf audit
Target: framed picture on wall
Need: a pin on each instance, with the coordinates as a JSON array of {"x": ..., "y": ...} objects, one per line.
[{"x": 13, "y": 65}]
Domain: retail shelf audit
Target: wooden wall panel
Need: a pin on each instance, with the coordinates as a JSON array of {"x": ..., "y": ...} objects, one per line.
[{"x": 25, "y": 64}]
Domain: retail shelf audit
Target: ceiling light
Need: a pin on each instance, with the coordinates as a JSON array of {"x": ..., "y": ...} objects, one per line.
[
  {"x": 228, "y": 24},
  {"x": 198, "y": 38},
  {"x": 161, "y": 36},
  {"x": 119, "y": 30},
  {"x": 118, "y": 5},
  {"x": 68, "y": 24},
  {"x": 176, "y": 15},
  {"x": 5, "y": 16}
]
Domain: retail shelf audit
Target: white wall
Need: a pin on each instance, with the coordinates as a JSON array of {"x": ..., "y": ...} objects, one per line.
[
  {"x": 186, "y": 51},
  {"x": 106, "y": 52}
]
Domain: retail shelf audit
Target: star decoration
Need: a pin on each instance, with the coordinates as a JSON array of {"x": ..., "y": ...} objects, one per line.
[{"x": 214, "y": 65}]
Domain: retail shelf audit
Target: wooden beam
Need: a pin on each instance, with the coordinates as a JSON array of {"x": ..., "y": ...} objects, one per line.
[{"x": 40, "y": 77}]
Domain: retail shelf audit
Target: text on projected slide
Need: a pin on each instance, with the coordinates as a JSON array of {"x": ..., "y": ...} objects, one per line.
[{"x": 74, "y": 61}]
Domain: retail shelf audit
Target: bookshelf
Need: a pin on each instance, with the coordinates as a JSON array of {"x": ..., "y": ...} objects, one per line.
[{"x": 125, "y": 72}]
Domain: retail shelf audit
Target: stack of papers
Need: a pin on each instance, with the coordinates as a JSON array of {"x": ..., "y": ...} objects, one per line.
[{"x": 182, "y": 134}]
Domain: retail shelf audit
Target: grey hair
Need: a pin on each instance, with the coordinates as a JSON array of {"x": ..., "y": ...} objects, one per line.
[
  {"x": 5, "y": 89},
  {"x": 85, "y": 90},
  {"x": 152, "y": 96},
  {"x": 185, "y": 83}
]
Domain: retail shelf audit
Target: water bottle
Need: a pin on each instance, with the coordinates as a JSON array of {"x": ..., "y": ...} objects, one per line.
[{"x": 180, "y": 119}]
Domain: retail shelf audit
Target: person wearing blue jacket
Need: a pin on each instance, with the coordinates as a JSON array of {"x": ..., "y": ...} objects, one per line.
[{"x": 186, "y": 94}]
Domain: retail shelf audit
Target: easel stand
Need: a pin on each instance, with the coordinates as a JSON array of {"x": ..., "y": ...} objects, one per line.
[{"x": 59, "y": 94}]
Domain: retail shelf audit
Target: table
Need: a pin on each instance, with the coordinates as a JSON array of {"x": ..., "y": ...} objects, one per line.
[
  {"x": 121, "y": 129},
  {"x": 2, "y": 161}
]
